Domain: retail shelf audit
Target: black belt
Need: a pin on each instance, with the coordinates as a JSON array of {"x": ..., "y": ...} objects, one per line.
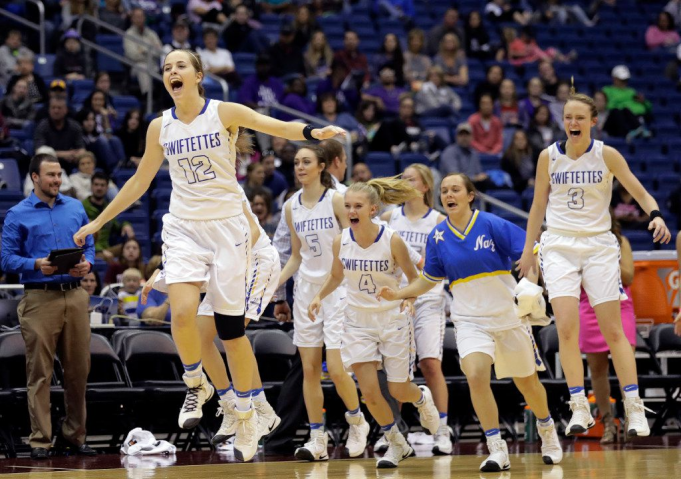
[{"x": 53, "y": 286}]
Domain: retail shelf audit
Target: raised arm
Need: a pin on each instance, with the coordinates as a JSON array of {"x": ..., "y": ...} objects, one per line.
[
  {"x": 333, "y": 281},
  {"x": 618, "y": 165},
  {"x": 234, "y": 115},
  {"x": 542, "y": 185},
  {"x": 134, "y": 188},
  {"x": 293, "y": 263}
]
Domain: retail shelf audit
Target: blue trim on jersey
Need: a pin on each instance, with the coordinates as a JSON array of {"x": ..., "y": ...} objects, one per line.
[
  {"x": 203, "y": 110},
  {"x": 321, "y": 197},
  {"x": 380, "y": 233},
  {"x": 591, "y": 145},
  {"x": 300, "y": 197},
  {"x": 427, "y": 213}
]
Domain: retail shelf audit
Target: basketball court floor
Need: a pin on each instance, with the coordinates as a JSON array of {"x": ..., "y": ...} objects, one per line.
[{"x": 658, "y": 457}]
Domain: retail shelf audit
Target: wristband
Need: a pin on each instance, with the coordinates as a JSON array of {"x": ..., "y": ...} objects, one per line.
[
  {"x": 307, "y": 133},
  {"x": 655, "y": 214}
]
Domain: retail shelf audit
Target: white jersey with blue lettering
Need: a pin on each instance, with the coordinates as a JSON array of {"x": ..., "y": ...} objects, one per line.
[
  {"x": 580, "y": 191},
  {"x": 201, "y": 157},
  {"x": 263, "y": 239},
  {"x": 415, "y": 234},
  {"x": 316, "y": 228},
  {"x": 367, "y": 270}
]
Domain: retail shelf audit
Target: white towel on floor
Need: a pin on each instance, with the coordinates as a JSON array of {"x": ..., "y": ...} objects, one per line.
[{"x": 141, "y": 442}]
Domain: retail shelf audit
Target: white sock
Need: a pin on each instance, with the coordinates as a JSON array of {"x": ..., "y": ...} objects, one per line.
[
  {"x": 630, "y": 391},
  {"x": 493, "y": 435},
  {"x": 577, "y": 391},
  {"x": 243, "y": 401},
  {"x": 259, "y": 396}
]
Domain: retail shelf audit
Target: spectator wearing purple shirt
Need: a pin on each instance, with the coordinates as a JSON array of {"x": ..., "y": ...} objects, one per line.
[
  {"x": 261, "y": 89},
  {"x": 274, "y": 180},
  {"x": 387, "y": 94},
  {"x": 341, "y": 84},
  {"x": 296, "y": 98}
]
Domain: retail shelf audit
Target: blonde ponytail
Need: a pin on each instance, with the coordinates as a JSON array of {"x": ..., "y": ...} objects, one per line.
[
  {"x": 244, "y": 143},
  {"x": 389, "y": 191}
]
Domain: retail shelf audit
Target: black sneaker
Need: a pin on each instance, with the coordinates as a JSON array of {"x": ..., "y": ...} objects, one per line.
[{"x": 39, "y": 453}]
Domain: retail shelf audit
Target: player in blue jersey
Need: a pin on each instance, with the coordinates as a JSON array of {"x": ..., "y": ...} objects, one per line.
[
  {"x": 573, "y": 189},
  {"x": 206, "y": 234},
  {"x": 474, "y": 250},
  {"x": 365, "y": 257}
]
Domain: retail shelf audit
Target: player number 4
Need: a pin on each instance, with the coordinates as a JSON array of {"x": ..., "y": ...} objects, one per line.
[{"x": 366, "y": 284}]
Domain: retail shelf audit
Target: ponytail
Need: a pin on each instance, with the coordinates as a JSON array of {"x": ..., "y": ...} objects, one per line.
[
  {"x": 582, "y": 98},
  {"x": 244, "y": 140},
  {"x": 389, "y": 191}
]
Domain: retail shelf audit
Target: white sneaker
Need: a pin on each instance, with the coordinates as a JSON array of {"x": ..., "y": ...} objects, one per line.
[
  {"x": 381, "y": 445},
  {"x": 428, "y": 413},
  {"x": 316, "y": 449},
  {"x": 551, "y": 450},
  {"x": 581, "y": 419},
  {"x": 357, "y": 436},
  {"x": 443, "y": 441},
  {"x": 229, "y": 422},
  {"x": 398, "y": 449},
  {"x": 268, "y": 420},
  {"x": 637, "y": 424},
  {"x": 246, "y": 441},
  {"x": 198, "y": 393},
  {"x": 498, "y": 457}
]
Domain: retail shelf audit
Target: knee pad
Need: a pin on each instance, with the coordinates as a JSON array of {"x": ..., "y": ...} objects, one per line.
[{"x": 230, "y": 327}]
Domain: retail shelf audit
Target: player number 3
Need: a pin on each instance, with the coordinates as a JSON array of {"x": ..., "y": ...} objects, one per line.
[{"x": 576, "y": 201}]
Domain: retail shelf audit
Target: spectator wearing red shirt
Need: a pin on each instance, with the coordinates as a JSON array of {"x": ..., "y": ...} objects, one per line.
[
  {"x": 350, "y": 56},
  {"x": 487, "y": 128}
]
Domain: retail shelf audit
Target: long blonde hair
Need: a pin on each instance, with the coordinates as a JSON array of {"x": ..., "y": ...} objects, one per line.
[
  {"x": 427, "y": 179},
  {"x": 389, "y": 191}
]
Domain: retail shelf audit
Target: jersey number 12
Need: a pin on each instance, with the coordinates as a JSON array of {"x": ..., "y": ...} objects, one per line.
[{"x": 198, "y": 168}]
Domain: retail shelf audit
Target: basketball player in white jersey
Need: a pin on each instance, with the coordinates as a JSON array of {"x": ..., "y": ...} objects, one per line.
[
  {"x": 206, "y": 234},
  {"x": 369, "y": 256},
  {"x": 413, "y": 222},
  {"x": 263, "y": 275},
  {"x": 315, "y": 216},
  {"x": 573, "y": 188}
]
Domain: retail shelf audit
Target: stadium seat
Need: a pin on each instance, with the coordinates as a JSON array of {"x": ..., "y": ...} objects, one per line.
[{"x": 10, "y": 178}]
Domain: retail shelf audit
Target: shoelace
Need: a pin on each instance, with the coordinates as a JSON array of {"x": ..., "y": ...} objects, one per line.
[
  {"x": 192, "y": 400},
  {"x": 496, "y": 446}
]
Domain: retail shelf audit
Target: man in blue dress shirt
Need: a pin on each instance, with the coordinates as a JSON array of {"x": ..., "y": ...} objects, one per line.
[{"x": 53, "y": 312}]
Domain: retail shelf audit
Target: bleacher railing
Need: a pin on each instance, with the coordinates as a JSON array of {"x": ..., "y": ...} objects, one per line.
[
  {"x": 484, "y": 199},
  {"x": 40, "y": 27},
  {"x": 318, "y": 121},
  {"x": 152, "y": 66}
]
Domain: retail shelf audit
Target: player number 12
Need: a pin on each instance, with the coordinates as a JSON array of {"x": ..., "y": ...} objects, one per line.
[{"x": 198, "y": 168}]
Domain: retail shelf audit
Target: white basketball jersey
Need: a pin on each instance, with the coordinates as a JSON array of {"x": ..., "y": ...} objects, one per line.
[
  {"x": 415, "y": 234},
  {"x": 202, "y": 159},
  {"x": 369, "y": 269},
  {"x": 263, "y": 239},
  {"x": 580, "y": 192},
  {"x": 340, "y": 187},
  {"x": 316, "y": 228}
]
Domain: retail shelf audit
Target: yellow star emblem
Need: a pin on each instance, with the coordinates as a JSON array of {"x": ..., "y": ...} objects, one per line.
[{"x": 438, "y": 236}]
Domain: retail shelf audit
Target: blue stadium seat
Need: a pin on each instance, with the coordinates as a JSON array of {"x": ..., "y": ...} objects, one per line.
[
  {"x": 124, "y": 103},
  {"x": 44, "y": 65},
  {"x": 660, "y": 165},
  {"x": 489, "y": 162},
  {"x": 668, "y": 182},
  {"x": 122, "y": 175},
  {"x": 106, "y": 62},
  {"x": 161, "y": 197},
  {"x": 640, "y": 240},
  {"x": 507, "y": 196},
  {"x": 407, "y": 159},
  {"x": 9, "y": 175}
]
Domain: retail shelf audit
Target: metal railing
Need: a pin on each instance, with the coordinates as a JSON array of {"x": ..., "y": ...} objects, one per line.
[
  {"x": 40, "y": 27},
  {"x": 485, "y": 199},
  {"x": 152, "y": 66},
  {"x": 318, "y": 121}
]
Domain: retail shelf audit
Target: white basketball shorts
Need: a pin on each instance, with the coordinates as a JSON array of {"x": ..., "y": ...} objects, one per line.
[
  {"x": 513, "y": 351},
  {"x": 327, "y": 328},
  {"x": 429, "y": 326},
  {"x": 214, "y": 252},
  {"x": 261, "y": 284},
  {"x": 568, "y": 263},
  {"x": 386, "y": 337}
]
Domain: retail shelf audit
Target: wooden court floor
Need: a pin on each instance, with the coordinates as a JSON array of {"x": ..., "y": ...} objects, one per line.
[{"x": 658, "y": 458}]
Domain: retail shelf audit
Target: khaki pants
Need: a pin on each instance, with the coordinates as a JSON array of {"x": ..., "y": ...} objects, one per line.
[{"x": 56, "y": 322}]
